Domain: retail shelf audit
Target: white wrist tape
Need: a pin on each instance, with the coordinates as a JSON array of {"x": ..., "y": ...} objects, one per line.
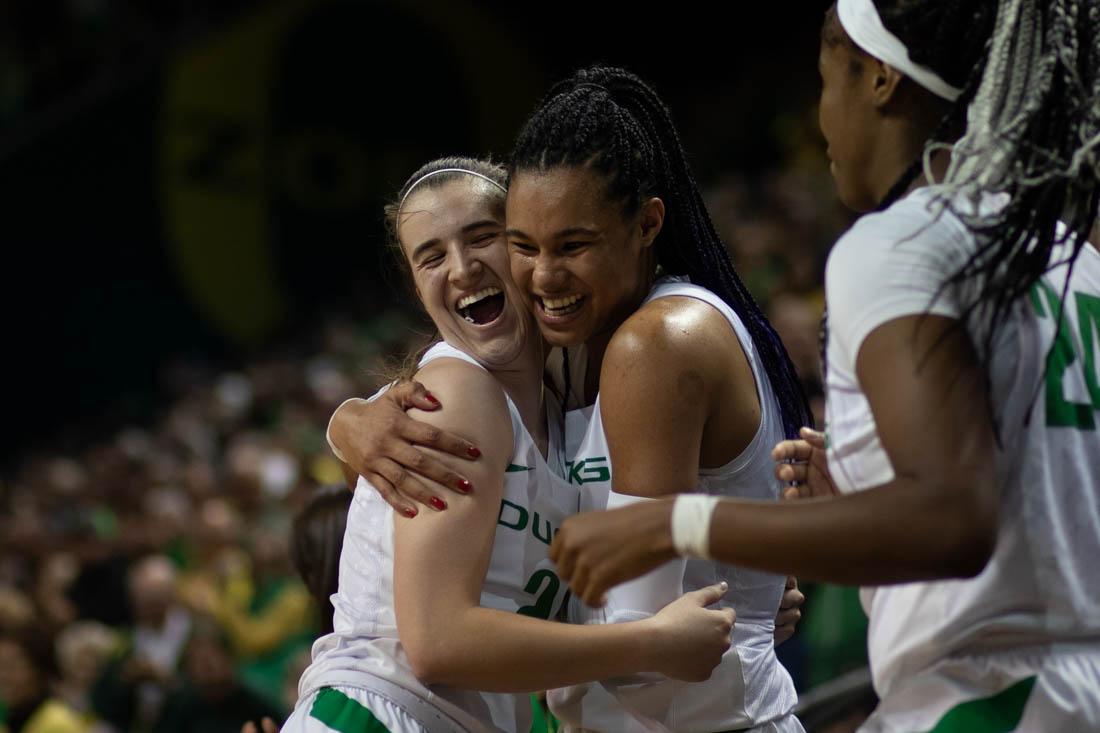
[
  {"x": 328, "y": 430},
  {"x": 691, "y": 514}
]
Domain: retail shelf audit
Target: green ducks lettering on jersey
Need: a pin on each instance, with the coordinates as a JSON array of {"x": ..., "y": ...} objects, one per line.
[
  {"x": 544, "y": 584},
  {"x": 514, "y": 516}
]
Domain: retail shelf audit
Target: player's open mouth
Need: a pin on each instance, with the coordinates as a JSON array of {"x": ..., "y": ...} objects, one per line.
[
  {"x": 483, "y": 307},
  {"x": 559, "y": 308}
]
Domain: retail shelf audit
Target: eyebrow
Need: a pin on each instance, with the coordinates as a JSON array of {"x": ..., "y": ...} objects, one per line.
[
  {"x": 479, "y": 224},
  {"x": 465, "y": 230},
  {"x": 424, "y": 246},
  {"x": 562, "y": 234},
  {"x": 574, "y": 231}
]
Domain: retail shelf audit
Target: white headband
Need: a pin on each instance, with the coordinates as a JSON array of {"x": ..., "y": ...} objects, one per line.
[
  {"x": 864, "y": 26},
  {"x": 426, "y": 176}
]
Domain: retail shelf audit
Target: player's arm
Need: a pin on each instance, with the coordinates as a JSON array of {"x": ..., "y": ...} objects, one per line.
[
  {"x": 667, "y": 373},
  {"x": 441, "y": 560},
  {"x": 936, "y": 519},
  {"x": 681, "y": 354}
]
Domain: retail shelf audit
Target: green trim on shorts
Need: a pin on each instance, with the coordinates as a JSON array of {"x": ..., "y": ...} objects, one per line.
[
  {"x": 542, "y": 720},
  {"x": 1000, "y": 713},
  {"x": 342, "y": 714}
]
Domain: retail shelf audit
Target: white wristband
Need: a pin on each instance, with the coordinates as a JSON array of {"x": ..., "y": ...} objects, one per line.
[
  {"x": 691, "y": 515},
  {"x": 328, "y": 430}
]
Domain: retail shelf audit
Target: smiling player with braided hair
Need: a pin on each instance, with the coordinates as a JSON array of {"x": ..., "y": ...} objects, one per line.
[{"x": 678, "y": 380}]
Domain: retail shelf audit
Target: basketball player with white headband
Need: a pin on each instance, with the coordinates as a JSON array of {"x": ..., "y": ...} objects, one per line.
[{"x": 962, "y": 350}]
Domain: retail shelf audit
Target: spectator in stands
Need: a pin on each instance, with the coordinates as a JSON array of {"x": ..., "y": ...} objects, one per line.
[
  {"x": 211, "y": 698},
  {"x": 27, "y": 670},
  {"x": 132, "y": 690}
]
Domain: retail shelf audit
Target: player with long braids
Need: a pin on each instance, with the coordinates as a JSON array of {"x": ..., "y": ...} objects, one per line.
[
  {"x": 962, "y": 355},
  {"x": 682, "y": 383}
]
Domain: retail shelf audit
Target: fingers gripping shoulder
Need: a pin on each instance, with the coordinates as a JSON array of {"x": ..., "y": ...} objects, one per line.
[{"x": 474, "y": 407}]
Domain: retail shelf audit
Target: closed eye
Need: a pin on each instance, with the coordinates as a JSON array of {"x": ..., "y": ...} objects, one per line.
[
  {"x": 573, "y": 246},
  {"x": 523, "y": 247},
  {"x": 431, "y": 260},
  {"x": 485, "y": 239}
]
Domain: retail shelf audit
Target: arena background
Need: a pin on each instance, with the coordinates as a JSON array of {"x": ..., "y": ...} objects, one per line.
[{"x": 192, "y": 196}]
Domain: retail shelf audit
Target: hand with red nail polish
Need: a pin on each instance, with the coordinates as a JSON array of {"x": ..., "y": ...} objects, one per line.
[{"x": 376, "y": 439}]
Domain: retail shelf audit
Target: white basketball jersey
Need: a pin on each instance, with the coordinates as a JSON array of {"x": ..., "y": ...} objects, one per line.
[
  {"x": 749, "y": 687},
  {"x": 1039, "y": 587},
  {"x": 365, "y": 646}
]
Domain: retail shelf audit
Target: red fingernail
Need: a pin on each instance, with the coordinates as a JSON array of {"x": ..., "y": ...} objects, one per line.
[
  {"x": 431, "y": 398},
  {"x": 473, "y": 452},
  {"x": 410, "y": 513},
  {"x": 464, "y": 486},
  {"x": 438, "y": 503}
]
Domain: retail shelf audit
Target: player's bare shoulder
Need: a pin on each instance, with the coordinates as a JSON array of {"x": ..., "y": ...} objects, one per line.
[
  {"x": 473, "y": 401},
  {"x": 674, "y": 330}
]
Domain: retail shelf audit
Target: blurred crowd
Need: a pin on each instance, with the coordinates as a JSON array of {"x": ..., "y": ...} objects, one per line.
[{"x": 146, "y": 581}]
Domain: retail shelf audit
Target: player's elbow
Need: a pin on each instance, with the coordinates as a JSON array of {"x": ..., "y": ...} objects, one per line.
[
  {"x": 434, "y": 657},
  {"x": 968, "y": 555},
  {"x": 427, "y": 660},
  {"x": 425, "y": 669},
  {"x": 969, "y": 529}
]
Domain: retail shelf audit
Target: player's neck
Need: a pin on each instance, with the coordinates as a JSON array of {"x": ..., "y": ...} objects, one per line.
[
  {"x": 937, "y": 165},
  {"x": 523, "y": 384},
  {"x": 898, "y": 143}
]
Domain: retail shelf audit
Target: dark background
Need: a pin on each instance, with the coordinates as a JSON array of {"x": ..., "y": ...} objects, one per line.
[{"x": 201, "y": 180}]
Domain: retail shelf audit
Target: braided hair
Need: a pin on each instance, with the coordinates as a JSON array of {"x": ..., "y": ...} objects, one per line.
[
  {"x": 1027, "y": 125},
  {"x": 610, "y": 121}
]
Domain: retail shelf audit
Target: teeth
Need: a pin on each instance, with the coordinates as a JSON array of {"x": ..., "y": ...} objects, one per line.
[
  {"x": 471, "y": 299},
  {"x": 559, "y": 303}
]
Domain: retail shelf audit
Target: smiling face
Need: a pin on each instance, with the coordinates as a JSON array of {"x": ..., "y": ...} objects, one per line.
[
  {"x": 453, "y": 239},
  {"x": 582, "y": 266}
]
